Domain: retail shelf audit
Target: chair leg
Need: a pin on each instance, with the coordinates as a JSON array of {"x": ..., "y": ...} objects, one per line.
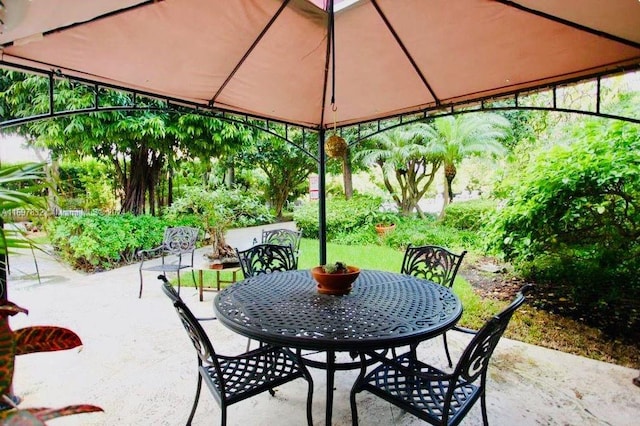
[
  {"x": 446, "y": 349},
  {"x": 483, "y": 404},
  {"x": 248, "y": 344},
  {"x": 178, "y": 282},
  {"x": 195, "y": 401},
  {"x": 140, "y": 291}
]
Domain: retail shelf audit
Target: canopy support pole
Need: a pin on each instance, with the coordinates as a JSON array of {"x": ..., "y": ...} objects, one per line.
[{"x": 322, "y": 199}]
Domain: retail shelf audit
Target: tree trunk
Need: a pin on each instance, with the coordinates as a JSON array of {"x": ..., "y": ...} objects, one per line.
[
  {"x": 170, "y": 187},
  {"x": 53, "y": 177},
  {"x": 229, "y": 176},
  {"x": 347, "y": 177},
  {"x": 143, "y": 176},
  {"x": 450, "y": 172}
]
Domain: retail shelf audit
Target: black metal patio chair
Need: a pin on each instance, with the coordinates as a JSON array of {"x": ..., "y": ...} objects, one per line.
[
  {"x": 435, "y": 264},
  {"x": 266, "y": 258},
  {"x": 178, "y": 241},
  {"x": 431, "y": 394},
  {"x": 232, "y": 379},
  {"x": 283, "y": 237}
]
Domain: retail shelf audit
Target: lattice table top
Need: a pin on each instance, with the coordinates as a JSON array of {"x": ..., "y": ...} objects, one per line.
[{"x": 384, "y": 309}]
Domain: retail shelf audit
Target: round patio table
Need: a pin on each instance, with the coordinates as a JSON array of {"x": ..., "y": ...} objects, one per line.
[{"x": 383, "y": 310}]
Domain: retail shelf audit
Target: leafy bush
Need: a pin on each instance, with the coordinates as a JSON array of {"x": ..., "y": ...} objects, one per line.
[
  {"x": 237, "y": 208},
  {"x": 99, "y": 241},
  {"x": 344, "y": 217},
  {"x": 573, "y": 217},
  {"x": 86, "y": 184},
  {"x": 471, "y": 215},
  {"x": 419, "y": 232}
]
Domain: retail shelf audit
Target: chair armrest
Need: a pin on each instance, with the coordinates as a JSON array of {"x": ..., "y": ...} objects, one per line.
[{"x": 150, "y": 253}]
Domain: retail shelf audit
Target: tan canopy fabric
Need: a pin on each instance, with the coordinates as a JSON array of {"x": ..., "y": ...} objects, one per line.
[{"x": 269, "y": 58}]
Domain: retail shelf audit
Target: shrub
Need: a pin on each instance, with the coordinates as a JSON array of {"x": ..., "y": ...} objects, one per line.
[
  {"x": 573, "y": 217},
  {"x": 471, "y": 215},
  {"x": 96, "y": 241},
  {"x": 344, "y": 217},
  {"x": 419, "y": 232},
  {"x": 239, "y": 208}
]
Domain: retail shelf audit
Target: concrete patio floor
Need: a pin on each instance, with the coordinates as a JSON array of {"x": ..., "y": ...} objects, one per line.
[{"x": 138, "y": 364}]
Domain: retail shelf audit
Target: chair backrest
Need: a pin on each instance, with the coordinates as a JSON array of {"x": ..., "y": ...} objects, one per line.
[
  {"x": 433, "y": 263},
  {"x": 283, "y": 237},
  {"x": 197, "y": 335},
  {"x": 266, "y": 258},
  {"x": 475, "y": 359},
  {"x": 180, "y": 239}
]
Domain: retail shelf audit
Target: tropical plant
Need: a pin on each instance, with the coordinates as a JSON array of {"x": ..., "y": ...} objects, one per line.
[
  {"x": 19, "y": 188},
  {"x": 25, "y": 341},
  {"x": 455, "y": 138},
  {"x": 409, "y": 162}
]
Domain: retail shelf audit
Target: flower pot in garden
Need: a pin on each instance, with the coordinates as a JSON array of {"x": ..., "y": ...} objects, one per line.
[
  {"x": 335, "y": 283},
  {"x": 382, "y": 229}
]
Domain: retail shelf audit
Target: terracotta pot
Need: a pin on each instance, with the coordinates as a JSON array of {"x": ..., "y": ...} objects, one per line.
[
  {"x": 383, "y": 229},
  {"x": 338, "y": 283}
]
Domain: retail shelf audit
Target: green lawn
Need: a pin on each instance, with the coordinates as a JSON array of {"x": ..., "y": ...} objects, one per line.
[{"x": 476, "y": 309}]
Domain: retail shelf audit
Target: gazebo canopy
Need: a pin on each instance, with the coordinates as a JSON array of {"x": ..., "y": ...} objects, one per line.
[
  {"x": 316, "y": 64},
  {"x": 274, "y": 58}
]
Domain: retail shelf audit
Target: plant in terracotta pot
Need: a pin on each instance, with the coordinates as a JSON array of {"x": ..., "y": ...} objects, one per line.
[
  {"x": 335, "y": 278},
  {"x": 385, "y": 222}
]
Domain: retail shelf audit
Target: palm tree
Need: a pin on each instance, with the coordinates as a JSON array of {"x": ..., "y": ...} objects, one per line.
[
  {"x": 464, "y": 136},
  {"x": 408, "y": 160}
]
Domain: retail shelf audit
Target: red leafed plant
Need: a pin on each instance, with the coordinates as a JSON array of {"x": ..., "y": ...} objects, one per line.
[{"x": 24, "y": 341}]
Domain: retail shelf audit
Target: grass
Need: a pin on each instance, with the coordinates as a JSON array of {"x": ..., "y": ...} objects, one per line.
[{"x": 476, "y": 309}]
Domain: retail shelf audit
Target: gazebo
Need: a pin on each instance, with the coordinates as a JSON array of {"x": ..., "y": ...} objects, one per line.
[{"x": 324, "y": 66}]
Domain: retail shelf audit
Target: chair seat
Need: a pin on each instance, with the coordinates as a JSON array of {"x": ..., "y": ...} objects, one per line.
[
  {"x": 253, "y": 373},
  {"x": 167, "y": 267},
  {"x": 424, "y": 398}
]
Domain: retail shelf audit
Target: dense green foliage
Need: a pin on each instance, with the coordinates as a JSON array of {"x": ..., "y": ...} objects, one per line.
[
  {"x": 344, "y": 217},
  {"x": 220, "y": 207},
  {"x": 285, "y": 167},
  {"x": 96, "y": 241},
  {"x": 469, "y": 215},
  {"x": 139, "y": 146},
  {"x": 85, "y": 184},
  {"x": 572, "y": 217},
  {"x": 352, "y": 223}
]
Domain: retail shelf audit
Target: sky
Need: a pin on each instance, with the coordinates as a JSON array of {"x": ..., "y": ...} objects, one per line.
[{"x": 13, "y": 150}]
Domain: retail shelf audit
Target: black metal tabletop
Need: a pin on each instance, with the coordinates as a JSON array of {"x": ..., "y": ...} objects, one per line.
[{"x": 383, "y": 310}]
